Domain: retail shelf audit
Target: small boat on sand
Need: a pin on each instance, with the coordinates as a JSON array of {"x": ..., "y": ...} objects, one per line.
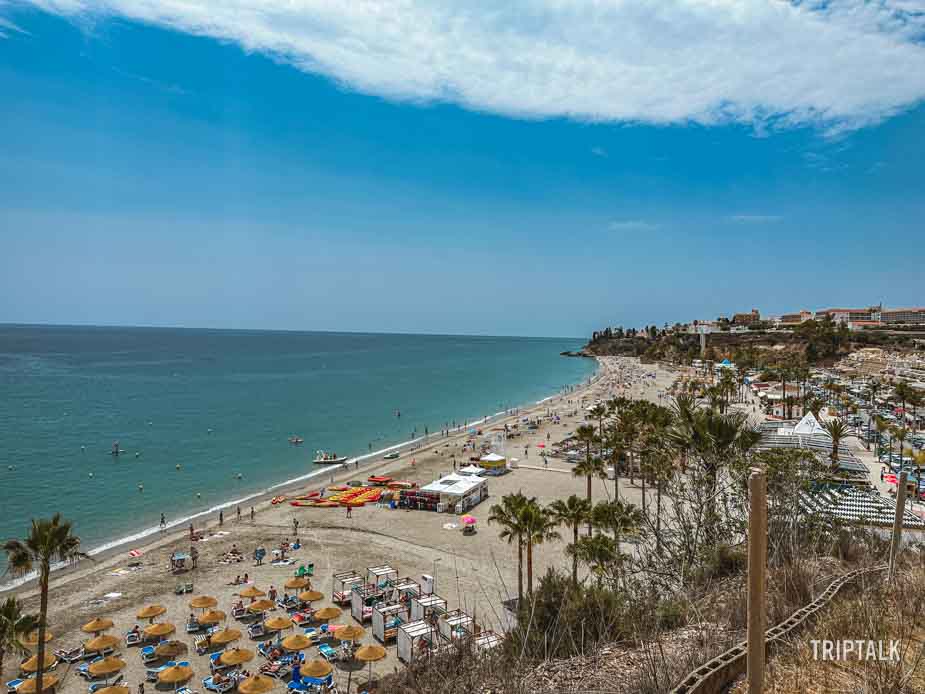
[
  {"x": 323, "y": 458},
  {"x": 391, "y": 456}
]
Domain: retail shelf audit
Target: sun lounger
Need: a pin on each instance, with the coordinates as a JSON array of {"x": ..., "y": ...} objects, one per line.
[
  {"x": 193, "y": 626},
  {"x": 216, "y": 665},
  {"x": 328, "y": 652},
  {"x": 149, "y": 655},
  {"x": 152, "y": 672},
  {"x": 133, "y": 638},
  {"x": 96, "y": 686},
  {"x": 276, "y": 670},
  {"x": 185, "y": 690},
  {"x": 226, "y": 685},
  {"x": 289, "y": 605},
  {"x": 93, "y": 655},
  {"x": 71, "y": 656},
  {"x": 304, "y": 571},
  {"x": 84, "y": 668},
  {"x": 183, "y": 588},
  {"x": 238, "y": 612},
  {"x": 13, "y": 685},
  {"x": 256, "y": 630},
  {"x": 202, "y": 644}
]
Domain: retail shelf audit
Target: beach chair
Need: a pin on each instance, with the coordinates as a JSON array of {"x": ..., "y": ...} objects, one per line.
[
  {"x": 185, "y": 690},
  {"x": 192, "y": 626},
  {"x": 96, "y": 686},
  {"x": 84, "y": 668},
  {"x": 132, "y": 638},
  {"x": 328, "y": 652},
  {"x": 149, "y": 655},
  {"x": 238, "y": 612},
  {"x": 70, "y": 656},
  {"x": 216, "y": 665},
  {"x": 276, "y": 670},
  {"x": 202, "y": 644},
  {"x": 183, "y": 588},
  {"x": 13, "y": 685},
  {"x": 305, "y": 571},
  {"x": 256, "y": 630},
  {"x": 226, "y": 685}
]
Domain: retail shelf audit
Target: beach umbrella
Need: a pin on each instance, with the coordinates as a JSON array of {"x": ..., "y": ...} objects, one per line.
[
  {"x": 211, "y": 617},
  {"x": 278, "y": 623},
  {"x": 115, "y": 689},
  {"x": 32, "y": 664},
  {"x": 311, "y": 596},
  {"x": 175, "y": 674},
  {"x": 171, "y": 649},
  {"x": 151, "y": 611},
  {"x": 236, "y": 656},
  {"x": 32, "y": 638},
  {"x": 317, "y": 668},
  {"x": 296, "y": 642},
  {"x": 107, "y": 666},
  {"x": 49, "y": 680},
  {"x": 327, "y": 613},
  {"x": 97, "y": 625},
  {"x": 370, "y": 654},
  {"x": 101, "y": 643},
  {"x": 297, "y": 583},
  {"x": 261, "y": 606},
  {"x": 161, "y": 629},
  {"x": 203, "y": 602},
  {"x": 469, "y": 520},
  {"x": 350, "y": 633},
  {"x": 225, "y": 636},
  {"x": 258, "y": 684},
  {"x": 252, "y": 592}
]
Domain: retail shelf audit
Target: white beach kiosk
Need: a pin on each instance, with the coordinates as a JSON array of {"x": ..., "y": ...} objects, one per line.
[
  {"x": 493, "y": 464},
  {"x": 458, "y": 493}
]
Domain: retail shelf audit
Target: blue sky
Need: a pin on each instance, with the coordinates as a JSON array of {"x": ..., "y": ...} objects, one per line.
[{"x": 160, "y": 166}]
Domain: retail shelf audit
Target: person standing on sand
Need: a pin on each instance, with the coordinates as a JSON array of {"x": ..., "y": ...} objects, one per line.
[
  {"x": 252, "y": 514},
  {"x": 141, "y": 688},
  {"x": 163, "y": 523},
  {"x": 295, "y": 526},
  {"x": 349, "y": 512},
  {"x": 221, "y": 518},
  {"x": 239, "y": 514}
]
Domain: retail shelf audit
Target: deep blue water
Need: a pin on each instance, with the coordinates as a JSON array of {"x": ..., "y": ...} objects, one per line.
[{"x": 222, "y": 403}]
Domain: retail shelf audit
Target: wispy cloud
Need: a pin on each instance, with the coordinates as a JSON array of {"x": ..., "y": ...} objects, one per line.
[
  {"x": 754, "y": 218},
  {"x": 157, "y": 84},
  {"x": 632, "y": 225},
  {"x": 599, "y": 151},
  {"x": 837, "y": 65},
  {"x": 7, "y": 25}
]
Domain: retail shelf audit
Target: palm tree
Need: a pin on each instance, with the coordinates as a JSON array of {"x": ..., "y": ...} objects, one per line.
[
  {"x": 882, "y": 428},
  {"x": 539, "y": 527},
  {"x": 507, "y": 514},
  {"x": 900, "y": 434},
  {"x": 838, "y": 430},
  {"x": 590, "y": 467},
  {"x": 14, "y": 625},
  {"x": 599, "y": 552},
  {"x": 571, "y": 512},
  {"x": 49, "y": 542},
  {"x": 598, "y": 412}
]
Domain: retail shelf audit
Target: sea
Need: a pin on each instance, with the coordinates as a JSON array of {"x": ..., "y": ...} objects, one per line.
[{"x": 203, "y": 417}]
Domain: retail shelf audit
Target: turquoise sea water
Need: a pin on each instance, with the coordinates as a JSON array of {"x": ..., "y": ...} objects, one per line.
[{"x": 223, "y": 403}]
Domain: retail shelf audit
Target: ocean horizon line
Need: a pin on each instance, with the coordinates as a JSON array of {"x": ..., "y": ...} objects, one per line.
[{"x": 294, "y": 331}]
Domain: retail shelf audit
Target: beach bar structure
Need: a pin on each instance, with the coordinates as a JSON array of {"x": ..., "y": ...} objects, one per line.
[
  {"x": 455, "y": 625},
  {"x": 457, "y": 493},
  {"x": 426, "y": 606},
  {"x": 413, "y": 638},
  {"x": 387, "y": 619},
  {"x": 493, "y": 464},
  {"x": 344, "y": 582}
]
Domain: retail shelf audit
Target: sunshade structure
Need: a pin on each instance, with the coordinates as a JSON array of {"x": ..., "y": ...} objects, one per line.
[
  {"x": 858, "y": 506},
  {"x": 469, "y": 520},
  {"x": 49, "y": 681},
  {"x": 32, "y": 664},
  {"x": 160, "y": 629},
  {"x": 278, "y": 623},
  {"x": 296, "y": 642},
  {"x": 211, "y": 617},
  {"x": 317, "y": 668},
  {"x": 203, "y": 602},
  {"x": 171, "y": 649},
  {"x": 32, "y": 639},
  {"x": 297, "y": 583},
  {"x": 370, "y": 654},
  {"x": 252, "y": 592},
  {"x": 260, "y": 606},
  {"x": 351, "y": 632},
  {"x": 151, "y": 611},
  {"x": 225, "y": 636},
  {"x": 236, "y": 656},
  {"x": 117, "y": 689},
  {"x": 327, "y": 613},
  {"x": 258, "y": 684},
  {"x": 106, "y": 667},
  {"x": 101, "y": 643},
  {"x": 311, "y": 596},
  {"x": 175, "y": 674},
  {"x": 97, "y": 625}
]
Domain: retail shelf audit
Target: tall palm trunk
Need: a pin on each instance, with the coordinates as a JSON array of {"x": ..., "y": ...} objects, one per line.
[
  {"x": 43, "y": 613},
  {"x": 520, "y": 570},
  {"x": 589, "y": 502},
  {"x": 575, "y": 554},
  {"x": 658, "y": 516},
  {"x": 529, "y": 569}
]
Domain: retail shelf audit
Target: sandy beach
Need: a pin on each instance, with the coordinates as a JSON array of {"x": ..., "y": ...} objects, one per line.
[{"x": 473, "y": 573}]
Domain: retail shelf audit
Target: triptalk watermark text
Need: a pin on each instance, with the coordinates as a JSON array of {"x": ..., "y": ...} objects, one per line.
[{"x": 855, "y": 649}]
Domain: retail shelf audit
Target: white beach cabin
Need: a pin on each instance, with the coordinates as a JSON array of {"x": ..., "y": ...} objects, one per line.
[
  {"x": 412, "y": 638},
  {"x": 343, "y": 584},
  {"x": 454, "y": 625},
  {"x": 426, "y": 605},
  {"x": 387, "y": 619},
  {"x": 487, "y": 640}
]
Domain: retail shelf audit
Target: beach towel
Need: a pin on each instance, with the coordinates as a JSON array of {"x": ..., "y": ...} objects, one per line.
[{"x": 135, "y": 553}]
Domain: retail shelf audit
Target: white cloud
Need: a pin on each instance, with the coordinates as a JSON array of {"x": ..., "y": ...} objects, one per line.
[
  {"x": 599, "y": 151},
  {"x": 754, "y": 218},
  {"x": 838, "y": 64},
  {"x": 8, "y": 25},
  {"x": 632, "y": 225}
]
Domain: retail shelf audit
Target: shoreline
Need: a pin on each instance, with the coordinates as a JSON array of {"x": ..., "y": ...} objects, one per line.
[{"x": 150, "y": 538}]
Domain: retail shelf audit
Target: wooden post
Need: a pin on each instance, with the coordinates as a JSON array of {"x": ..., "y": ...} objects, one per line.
[
  {"x": 757, "y": 564},
  {"x": 898, "y": 520}
]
